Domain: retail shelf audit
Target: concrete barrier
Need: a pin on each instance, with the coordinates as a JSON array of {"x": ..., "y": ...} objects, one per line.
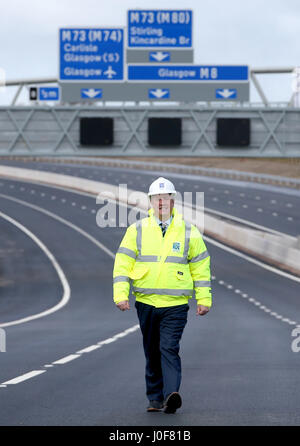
[{"x": 280, "y": 250}]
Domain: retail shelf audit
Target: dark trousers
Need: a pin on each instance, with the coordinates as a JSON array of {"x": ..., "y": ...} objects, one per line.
[{"x": 162, "y": 329}]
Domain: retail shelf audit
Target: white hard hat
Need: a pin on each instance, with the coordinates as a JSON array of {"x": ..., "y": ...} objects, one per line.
[{"x": 161, "y": 186}]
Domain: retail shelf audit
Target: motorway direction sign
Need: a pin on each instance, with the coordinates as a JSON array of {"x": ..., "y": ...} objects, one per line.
[
  {"x": 137, "y": 56},
  {"x": 48, "y": 94},
  {"x": 91, "y": 54},
  {"x": 159, "y": 28},
  {"x": 154, "y": 91},
  {"x": 188, "y": 73}
]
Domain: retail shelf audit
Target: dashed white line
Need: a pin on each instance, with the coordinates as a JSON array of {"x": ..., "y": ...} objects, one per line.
[
  {"x": 258, "y": 304},
  {"x": 24, "y": 377},
  {"x": 72, "y": 357},
  {"x": 66, "y": 359},
  {"x": 89, "y": 349}
]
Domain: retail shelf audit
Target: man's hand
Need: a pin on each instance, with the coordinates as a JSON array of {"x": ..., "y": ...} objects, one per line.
[
  {"x": 202, "y": 310},
  {"x": 124, "y": 305}
]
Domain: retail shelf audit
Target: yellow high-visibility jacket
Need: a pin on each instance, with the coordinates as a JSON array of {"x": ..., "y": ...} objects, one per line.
[{"x": 163, "y": 271}]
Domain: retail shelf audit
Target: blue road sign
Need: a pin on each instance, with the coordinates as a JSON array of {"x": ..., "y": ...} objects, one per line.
[
  {"x": 159, "y": 56},
  {"x": 160, "y": 28},
  {"x": 226, "y": 93},
  {"x": 188, "y": 73},
  {"x": 91, "y": 93},
  {"x": 159, "y": 93},
  {"x": 48, "y": 94},
  {"x": 90, "y": 54}
]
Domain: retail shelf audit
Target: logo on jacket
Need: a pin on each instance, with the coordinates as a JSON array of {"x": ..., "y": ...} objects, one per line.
[{"x": 176, "y": 247}]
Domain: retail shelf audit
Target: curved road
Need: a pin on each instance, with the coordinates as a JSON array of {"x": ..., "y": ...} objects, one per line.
[{"x": 83, "y": 364}]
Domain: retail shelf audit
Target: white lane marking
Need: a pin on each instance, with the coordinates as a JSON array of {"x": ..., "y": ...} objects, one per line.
[
  {"x": 250, "y": 259},
  {"x": 220, "y": 245},
  {"x": 89, "y": 349},
  {"x": 66, "y": 359},
  {"x": 241, "y": 220},
  {"x": 24, "y": 377},
  {"x": 71, "y": 357},
  {"x": 232, "y": 251},
  {"x": 71, "y": 225},
  {"x": 258, "y": 304},
  {"x": 58, "y": 269},
  {"x": 64, "y": 221}
]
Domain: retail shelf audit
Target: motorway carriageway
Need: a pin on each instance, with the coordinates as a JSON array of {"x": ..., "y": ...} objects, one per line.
[{"x": 72, "y": 358}]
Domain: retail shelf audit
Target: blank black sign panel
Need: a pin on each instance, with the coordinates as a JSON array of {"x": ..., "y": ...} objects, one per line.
[
  {"x": 96, "y": 131},
  {"x": 233, "y": 132},
  {"x": 164, "y": 131}
]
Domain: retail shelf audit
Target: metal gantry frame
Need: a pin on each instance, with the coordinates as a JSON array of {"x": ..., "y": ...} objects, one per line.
[{"x": 56, "y": 131}]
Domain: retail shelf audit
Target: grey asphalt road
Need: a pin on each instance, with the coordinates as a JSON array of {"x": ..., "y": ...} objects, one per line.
[
  {"x": 238, "y": 364},
  {"x": 277, "y": 208}
]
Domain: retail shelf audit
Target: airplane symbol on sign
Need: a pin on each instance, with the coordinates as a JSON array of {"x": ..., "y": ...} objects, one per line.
[{"x": 110, "y": 72}]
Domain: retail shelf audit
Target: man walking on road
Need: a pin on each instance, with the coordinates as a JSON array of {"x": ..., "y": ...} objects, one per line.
[{"x": 165, "y": 259}]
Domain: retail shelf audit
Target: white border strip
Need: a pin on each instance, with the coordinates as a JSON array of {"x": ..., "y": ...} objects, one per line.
[{"x": 65, "y": 284}]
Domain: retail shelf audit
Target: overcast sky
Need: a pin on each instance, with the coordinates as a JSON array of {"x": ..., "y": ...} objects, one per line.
[{"x": 253, "y": 32}]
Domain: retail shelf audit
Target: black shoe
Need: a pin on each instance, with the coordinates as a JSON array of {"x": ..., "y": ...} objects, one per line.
[
  {"x": 155, "y": 406},
  {"x": 172, "y": 402}
]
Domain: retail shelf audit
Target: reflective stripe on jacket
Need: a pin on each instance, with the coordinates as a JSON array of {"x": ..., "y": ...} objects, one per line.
[{"x": 163, "y": 271}]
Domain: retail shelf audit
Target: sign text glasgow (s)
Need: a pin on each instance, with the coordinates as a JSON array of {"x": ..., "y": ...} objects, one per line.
[
  {"x": 160, "y": 28},
  {"x": 91, "y": 54}
]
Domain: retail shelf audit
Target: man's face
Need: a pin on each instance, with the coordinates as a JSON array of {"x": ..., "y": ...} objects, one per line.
[{"x": 162, "y": 205}]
